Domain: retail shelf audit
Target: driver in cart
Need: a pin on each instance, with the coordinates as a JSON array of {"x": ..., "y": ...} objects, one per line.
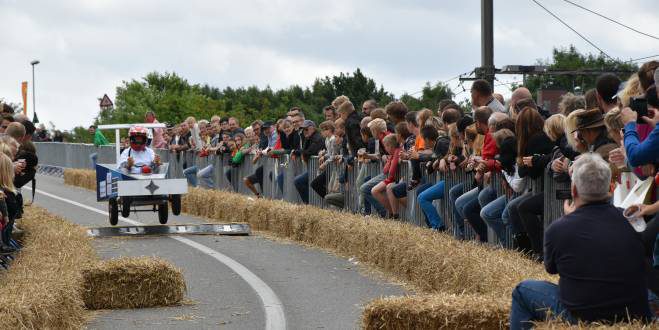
[{"x": 138, "y": 159}]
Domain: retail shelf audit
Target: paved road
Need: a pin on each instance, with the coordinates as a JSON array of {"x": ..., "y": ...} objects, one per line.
[{"x": 317, "y": 290}]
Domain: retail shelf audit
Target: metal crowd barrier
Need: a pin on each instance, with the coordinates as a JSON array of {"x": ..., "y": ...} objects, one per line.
[{"x": 68, "y": 155}]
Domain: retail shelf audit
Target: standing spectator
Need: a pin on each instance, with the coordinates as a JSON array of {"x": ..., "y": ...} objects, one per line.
[
  {"x": 99, "y": 138},
  {"x": 319, "y": 183},
  {"x": 597, "y": 254},
  {"x": 532, "y": 145},
  {"x": 396, "y": 112},
  {"x": 368, "y": 106},
  {"x": 392, "y": 146},
  {"x": 591, "y": 132},
  {"x": 157, "y": 142},
  {"x": 607, "y": 90},
  {"x": 352, "y": 120},
  {"x": 312, "y": 145},
  {"x": 330, "y": 113},
  {"x": 427, "y": 193},
  {"x": 234, "y": 127},
  {"x": 481, "y": 95},
  {"x": 379, "y": 131},
  {"x": 6, "y": 120}
]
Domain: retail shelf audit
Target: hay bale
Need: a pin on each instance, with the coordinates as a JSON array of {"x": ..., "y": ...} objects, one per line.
[
  {"x": 41, "y": 289},
  {"x": 132, "y": 283},
  {"x": 433, "y": 262},
  {"x": 438, "y": 311},
  {"x": 80, "y": 178}
]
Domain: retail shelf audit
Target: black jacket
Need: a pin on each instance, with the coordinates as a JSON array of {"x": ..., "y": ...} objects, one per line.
[
  {"x": 289, "y": 142},
  {"x": 353, "y": 134},
  {"x": 439, "y": 151},
  {"x": 538, "y": 144},
  {"x": 312, "y": 146},
  {"x": 31, "y": 161}
]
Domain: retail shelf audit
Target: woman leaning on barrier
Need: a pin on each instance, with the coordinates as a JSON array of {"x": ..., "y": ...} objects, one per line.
[{"x": 532, "y": 145}]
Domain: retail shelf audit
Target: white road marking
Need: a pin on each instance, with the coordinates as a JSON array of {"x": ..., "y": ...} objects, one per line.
[{"x": 274, "y": 309}]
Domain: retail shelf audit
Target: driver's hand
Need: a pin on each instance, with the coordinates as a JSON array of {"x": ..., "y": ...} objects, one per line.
[
  {"x": 130, "y": 162},
  {"x": 156, "y": 160}
]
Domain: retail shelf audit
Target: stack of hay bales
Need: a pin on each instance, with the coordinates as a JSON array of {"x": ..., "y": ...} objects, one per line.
[
  {"x": 80, "y": 178},
  {"x": 132, "y": 283},
  {"x": 41, "y": 289},
  {"x": 476, "y": 279}
]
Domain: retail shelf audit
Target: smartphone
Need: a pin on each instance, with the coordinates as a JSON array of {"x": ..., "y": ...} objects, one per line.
[
  {"x": 640, "y": 106},
  {"x": 563, "y": 194}
]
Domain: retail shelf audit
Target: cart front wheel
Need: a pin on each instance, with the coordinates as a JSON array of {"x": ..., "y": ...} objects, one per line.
[
  {"x": 163, "y": 213},
  {"x": 176, "y": 204},
  {"x": 113, "y": 210}
]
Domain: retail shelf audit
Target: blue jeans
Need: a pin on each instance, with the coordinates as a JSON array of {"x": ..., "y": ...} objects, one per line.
[
  {"x": 491, "y": 214},
  {"x": 93, "y": 158},
  {"x": 280, "y": 181},
  {"x": 472, "y": 209},
  {"x": 206, "y": 175},
  {"x": 191, "y": 174},
  {"x": 365, "y": 190},
  {"x": 531, "y": 302},
  {"x": 429, "y": 194},
  {"x": 512, "y": 207},
  {"x": 453, "y": 194},
  {"x": 302, "y": 185}
]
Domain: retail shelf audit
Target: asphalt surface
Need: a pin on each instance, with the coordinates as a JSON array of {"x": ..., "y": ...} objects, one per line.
[{"x": 318, "y": 290}]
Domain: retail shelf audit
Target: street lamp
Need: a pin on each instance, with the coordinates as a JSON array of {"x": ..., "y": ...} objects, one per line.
[{"x": 34, "y": 103}]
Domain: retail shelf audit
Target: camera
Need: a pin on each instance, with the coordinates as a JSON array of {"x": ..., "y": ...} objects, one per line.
[
  {"x": 563, "y": 194},
  {"x": 640, "y": 106}
]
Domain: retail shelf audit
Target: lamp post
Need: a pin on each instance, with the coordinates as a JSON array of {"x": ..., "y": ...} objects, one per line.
[{"x": 34, "y": 104}]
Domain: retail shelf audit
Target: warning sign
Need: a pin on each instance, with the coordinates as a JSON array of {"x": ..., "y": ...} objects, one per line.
[{"x": 106, "y": 103}]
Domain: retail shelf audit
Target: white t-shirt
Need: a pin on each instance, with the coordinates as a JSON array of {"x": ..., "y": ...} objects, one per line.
[{"x": 141, "y": 158}]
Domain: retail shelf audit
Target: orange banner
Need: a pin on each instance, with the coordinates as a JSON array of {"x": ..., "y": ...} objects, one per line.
[{"x": 24, "y": 91}]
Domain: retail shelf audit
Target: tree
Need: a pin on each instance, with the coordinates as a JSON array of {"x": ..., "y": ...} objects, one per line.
[
  {"x": 570, "y": 59},
  {"x": 430, "y": 96}
]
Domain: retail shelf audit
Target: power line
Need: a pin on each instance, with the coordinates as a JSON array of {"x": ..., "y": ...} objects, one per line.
[
  {"x": 642, "y": 58},
  {"x": 611, "y": 20},
  {"x": 573, "y": 30}
]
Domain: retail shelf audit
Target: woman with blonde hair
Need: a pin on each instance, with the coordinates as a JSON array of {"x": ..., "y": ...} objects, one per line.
[
  {"x": 614, "y": 125},
  {"x": 9, "y": 200}
]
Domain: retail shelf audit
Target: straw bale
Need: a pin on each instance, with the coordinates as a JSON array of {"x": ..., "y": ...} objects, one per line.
[
  {"x": 41, "y": 289},
  {"x": 80, "y": 178},
  {"x": 132, "y": 283},
  {"x": 433, "y": 262},
  {"x": 437, "y": 311}
]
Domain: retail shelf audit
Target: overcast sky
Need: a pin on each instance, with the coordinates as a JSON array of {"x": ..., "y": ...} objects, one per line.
[{"x": 88, "y": 47}]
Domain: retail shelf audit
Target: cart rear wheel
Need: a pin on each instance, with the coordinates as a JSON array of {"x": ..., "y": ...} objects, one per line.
[
  {"x": 125, "y": 207},
  {"x": 163, "y": 213},
  {"x": 176, "y": 204},
  {"x": 113, "y": 210}
]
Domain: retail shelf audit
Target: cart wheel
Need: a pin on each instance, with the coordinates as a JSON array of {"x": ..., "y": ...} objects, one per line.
[
  {"x": 113, "y": 210},
  {"x": 176, "y": 204},
  {"x": 163, "y": 213},
  {"x": 125, "y": 207}
]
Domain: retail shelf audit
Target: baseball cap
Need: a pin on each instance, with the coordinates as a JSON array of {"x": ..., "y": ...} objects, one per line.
[{"x": 267, "y": 124}]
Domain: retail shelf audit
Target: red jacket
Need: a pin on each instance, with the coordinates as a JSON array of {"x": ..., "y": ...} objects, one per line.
[
  {"x": 391, "y": 166},
  {"x": 489, "y": 151}
]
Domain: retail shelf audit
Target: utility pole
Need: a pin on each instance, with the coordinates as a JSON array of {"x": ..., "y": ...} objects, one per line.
[{"x": 487, "y": 41}]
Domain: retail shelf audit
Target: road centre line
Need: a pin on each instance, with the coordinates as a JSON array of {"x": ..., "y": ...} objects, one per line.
[{"x": 275, "y": 318}]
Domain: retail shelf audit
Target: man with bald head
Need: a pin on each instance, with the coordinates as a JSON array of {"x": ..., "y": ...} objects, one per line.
[{"x": 518, "y": 94}]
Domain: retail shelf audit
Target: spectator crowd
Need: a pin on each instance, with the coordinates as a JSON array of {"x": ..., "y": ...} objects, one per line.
[
  {"x": 18, "y": 166},
  {"x": 605, "y": 144}
]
